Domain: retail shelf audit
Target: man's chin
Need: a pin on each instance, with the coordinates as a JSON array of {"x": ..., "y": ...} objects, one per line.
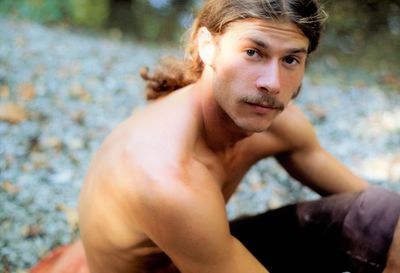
[{"x": 255, "y": 127}]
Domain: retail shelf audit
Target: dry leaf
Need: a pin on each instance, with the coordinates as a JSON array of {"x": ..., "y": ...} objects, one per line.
[
  {"x": 10, "y": 188},
  {"x": 26, "y": 91},
  {"x": 12, "y": 113},
  {"x": 4, "y": 92},
  {"x": 77, "y": 91},
  {"x": 79, "y": 117},
  {"x": 257, "y": 186},
  {"x": 31, "y": 231},
  {"x": 317, "y": 111},
  {"x": 390, "y": 79},
  {"x": 71, "y": 214},
  {"x": 39, "y": 160},
  {"x": 40, "y": 69},
  {"x": 62, "y": 73},
  {"x": 6, "y": 264},
  {"x": 20, "y": 41},
  {"x": 394, "y": 169},
  {"x": 52, "y": 142}
]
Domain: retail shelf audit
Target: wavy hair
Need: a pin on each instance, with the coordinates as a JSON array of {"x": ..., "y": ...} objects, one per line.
[{"x": 172, "y": 73}]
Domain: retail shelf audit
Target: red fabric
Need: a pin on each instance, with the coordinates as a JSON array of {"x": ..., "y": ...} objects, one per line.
[{"x": 65, "y": 259}]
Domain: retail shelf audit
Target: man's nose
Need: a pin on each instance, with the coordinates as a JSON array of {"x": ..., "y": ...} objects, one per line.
[{"x": 269, "y": 79}]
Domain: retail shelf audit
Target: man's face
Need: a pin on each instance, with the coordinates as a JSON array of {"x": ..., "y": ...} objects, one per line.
[{"x": 258, "y": 66}]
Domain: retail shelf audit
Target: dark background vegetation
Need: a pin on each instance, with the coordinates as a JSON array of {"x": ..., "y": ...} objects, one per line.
[{"x": 359, "y": 33}]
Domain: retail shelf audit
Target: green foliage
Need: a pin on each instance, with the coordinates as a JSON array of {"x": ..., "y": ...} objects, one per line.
[
  {"x": 88, "y": 13},
  {"x": 43, "y": 11},
  {"x": 91, "y": 13}
]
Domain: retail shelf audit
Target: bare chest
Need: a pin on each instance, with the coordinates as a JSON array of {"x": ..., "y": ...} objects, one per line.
[{"x": 229, "y": 170}]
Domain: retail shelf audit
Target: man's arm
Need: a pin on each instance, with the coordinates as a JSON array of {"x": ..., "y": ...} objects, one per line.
[
  {"x": 308, "y": 162},
  {"x": 187, "y": 220}
]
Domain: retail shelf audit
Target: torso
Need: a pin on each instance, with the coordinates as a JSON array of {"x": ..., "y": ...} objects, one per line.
[{"x": 126, "y": 163}]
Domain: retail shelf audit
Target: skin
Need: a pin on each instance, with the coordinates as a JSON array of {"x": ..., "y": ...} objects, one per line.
[
  {"x": 159, "y": 183},
  {"x": 393, "y": 262}
]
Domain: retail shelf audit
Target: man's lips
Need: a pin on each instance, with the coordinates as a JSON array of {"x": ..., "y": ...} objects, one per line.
[{"x": 264, "y": 106}]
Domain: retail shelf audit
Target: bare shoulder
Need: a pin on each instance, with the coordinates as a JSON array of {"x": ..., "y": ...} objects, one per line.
[
  {"x": 140, "y": 159},
  {"x": 294, "y": 128}
]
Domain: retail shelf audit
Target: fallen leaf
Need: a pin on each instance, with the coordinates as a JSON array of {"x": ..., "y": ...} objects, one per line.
[
  {"x": 4, "y": 92},
  {"x": 31, "y": 231},
  {"x": 71, "y": 214},
  {"x": 75, "y": 69},
  {"x": 26, "y": 91},
  {"x": 13, "y": 113},
  {"x": 6, "y": 265},
  {"x": 52, "y": 142},
  {"x": 20, "y": 41},
  {"x": 39, "y": 160},
  {"x": 62, "y": 73},
  {"x": 390, "y": 79},
  {"x": 79, "y": 117},
  {"x": 394, "y": 169},
  {"x": 79, "y": 92},
  {"x": 40, "y": 69},
  {"x": 10, "y": 188},
  {"x": 257, "y": 186},
  {"x": 318, "y": 112},
  {"x": 360, "y": 84}
]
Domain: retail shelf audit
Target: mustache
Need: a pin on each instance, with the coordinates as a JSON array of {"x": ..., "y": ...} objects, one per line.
[{"x": 264, "y": 100}]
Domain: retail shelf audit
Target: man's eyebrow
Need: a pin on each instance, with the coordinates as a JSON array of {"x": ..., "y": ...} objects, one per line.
[
  {"x": 265, "y": 45},
  {"x": 256, "y": 41}
]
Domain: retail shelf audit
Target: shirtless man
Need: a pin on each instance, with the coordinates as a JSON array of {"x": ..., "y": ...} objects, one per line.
[{"x": 155, "y": 193}]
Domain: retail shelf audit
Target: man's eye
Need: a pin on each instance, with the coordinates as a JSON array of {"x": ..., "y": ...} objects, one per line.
[
  {"x": 291, "y": 60},
  {"x": 251, "y": 52}
]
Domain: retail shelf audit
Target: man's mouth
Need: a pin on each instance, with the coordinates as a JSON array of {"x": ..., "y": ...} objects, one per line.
[
  {"x": 267, "y": 106},
  {"x": 271, "y": 104}
]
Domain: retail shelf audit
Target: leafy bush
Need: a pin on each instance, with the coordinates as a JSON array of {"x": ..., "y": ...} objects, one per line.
[
  {"x": 43, "y": 11},
  {"x": 90, "y": 13}
]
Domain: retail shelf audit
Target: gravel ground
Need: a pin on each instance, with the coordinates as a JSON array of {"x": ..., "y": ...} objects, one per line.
[{"x": 61, "y": 92}]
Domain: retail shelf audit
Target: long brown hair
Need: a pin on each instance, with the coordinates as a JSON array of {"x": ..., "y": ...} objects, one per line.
[{"x": 216, "y": 15}]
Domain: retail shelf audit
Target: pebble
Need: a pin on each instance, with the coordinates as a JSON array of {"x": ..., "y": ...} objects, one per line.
[{"x": 76, "y": 88}]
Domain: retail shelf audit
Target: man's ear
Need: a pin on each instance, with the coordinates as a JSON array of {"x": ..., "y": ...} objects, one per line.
[{"x": 206, "y": 46}]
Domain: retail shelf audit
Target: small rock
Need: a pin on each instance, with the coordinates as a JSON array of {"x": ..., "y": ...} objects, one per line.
[
  {"x": 75, "y": 144},
  {"x": 62, "y": 177}
]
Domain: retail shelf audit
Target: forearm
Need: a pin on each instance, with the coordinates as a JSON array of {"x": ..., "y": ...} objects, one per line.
[
  {"x": 235, "y": 258},
  {"x": 323, "y": 173},
  {"x": 393, "y": 262},
  {"x": 245, "y": 261},
  {"x": 331, "y": 176}
]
